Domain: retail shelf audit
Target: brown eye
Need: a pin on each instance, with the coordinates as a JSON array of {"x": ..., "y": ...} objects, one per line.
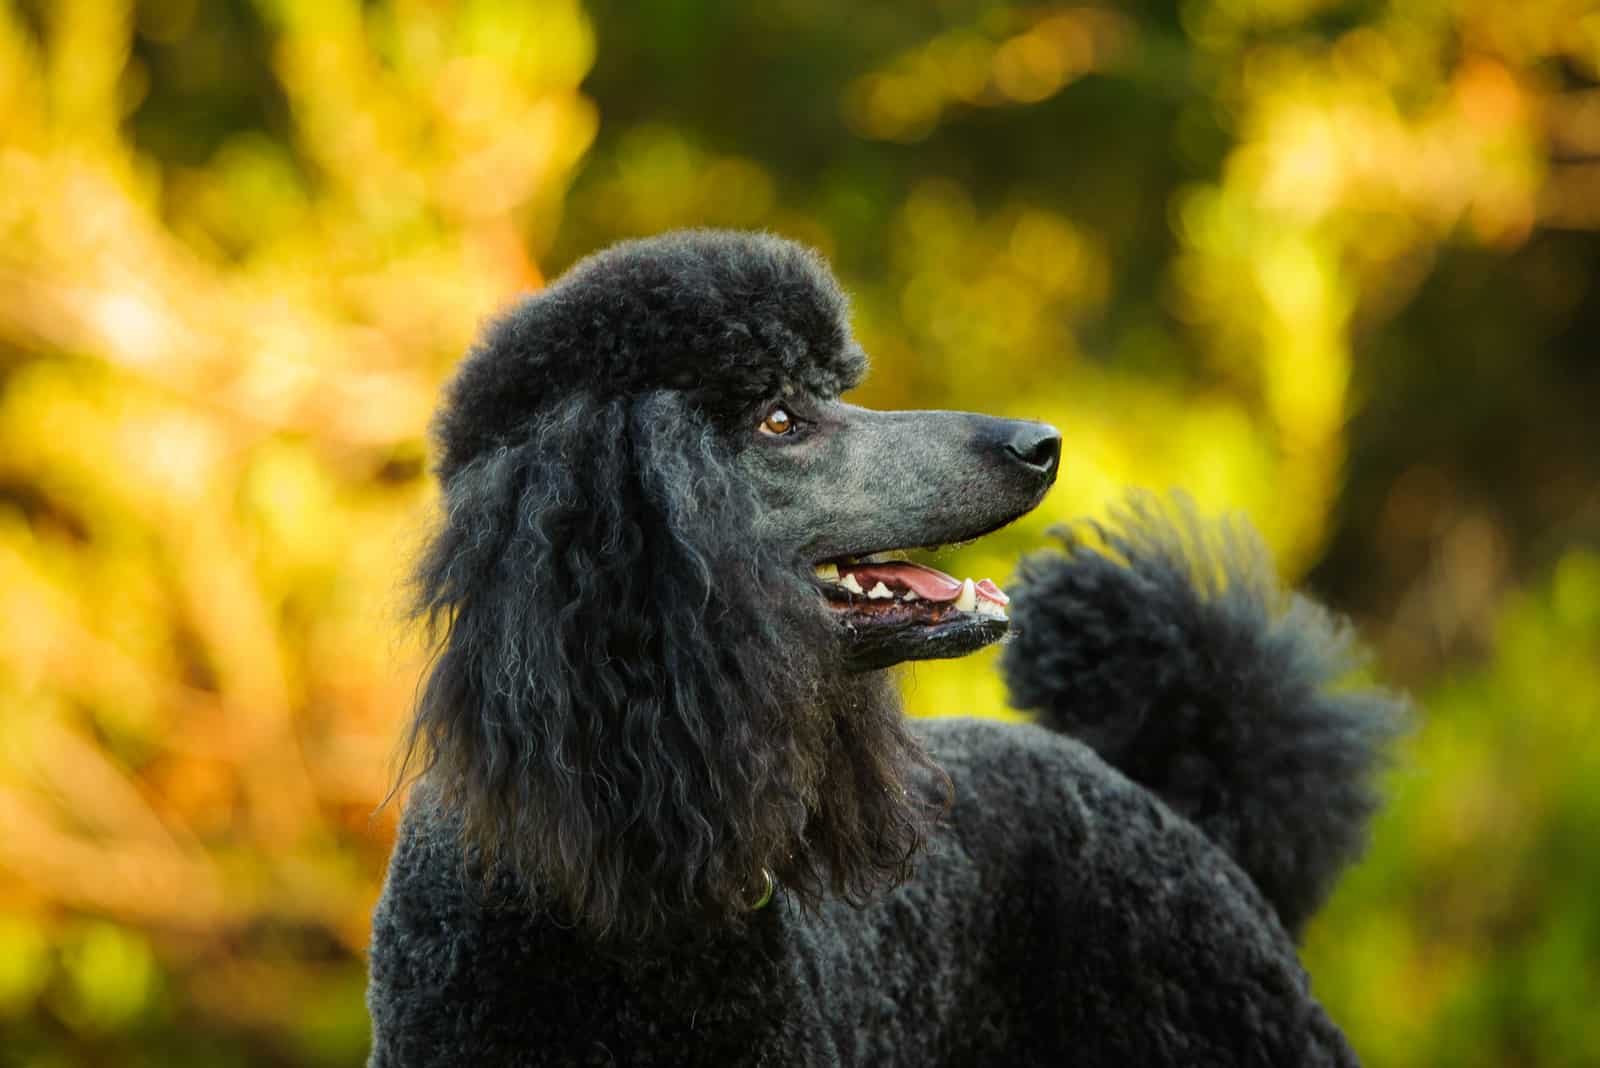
[{"x": 777, "y": 423}]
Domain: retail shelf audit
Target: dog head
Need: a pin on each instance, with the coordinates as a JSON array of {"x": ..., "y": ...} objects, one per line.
[{"x": 659, "y": 587}]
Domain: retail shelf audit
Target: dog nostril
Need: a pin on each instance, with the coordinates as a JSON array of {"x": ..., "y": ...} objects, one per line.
[{"x": 1036, "y": 445}]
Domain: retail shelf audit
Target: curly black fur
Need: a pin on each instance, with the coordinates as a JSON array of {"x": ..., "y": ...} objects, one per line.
[
  {"x": 629, "y": 705},
  {"x": 1173, "y": 653},
  {"x": 726, "y": 322}
]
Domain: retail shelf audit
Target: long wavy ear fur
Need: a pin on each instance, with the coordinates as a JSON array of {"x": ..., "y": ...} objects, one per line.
[
  {"x": 1166, "y": 644},
  {"x": 627, "y": 704}
]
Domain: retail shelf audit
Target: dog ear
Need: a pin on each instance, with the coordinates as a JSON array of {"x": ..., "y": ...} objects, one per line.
[{"x": 621, "y": 707}]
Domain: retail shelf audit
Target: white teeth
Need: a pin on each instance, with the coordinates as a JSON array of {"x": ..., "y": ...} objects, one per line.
[
  {"x": 880, "y": 592},
  {"x": 828, "y": 572},
  {"x": 991, "y": 610},
  {"x": 911, "y": 595},
  {"x": 849, "y": 582},
  {"x": 967, "y": 600}
]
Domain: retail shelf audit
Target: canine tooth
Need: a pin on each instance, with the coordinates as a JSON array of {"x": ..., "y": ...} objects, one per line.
[
  {"x": 828, "y": 572},
  {"x": 911, "y": 595},
  {"x": 967, "y": 599},
  {"x": 849, "y": 582},
  {"x": 880, "y": 592}
]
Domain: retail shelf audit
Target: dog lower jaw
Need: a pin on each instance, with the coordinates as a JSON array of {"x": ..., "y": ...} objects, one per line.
[{"x": 872, "y": 645}]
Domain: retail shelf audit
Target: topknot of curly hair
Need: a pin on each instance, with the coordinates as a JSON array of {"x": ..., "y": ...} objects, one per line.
[{"x": 732, "y": 319}]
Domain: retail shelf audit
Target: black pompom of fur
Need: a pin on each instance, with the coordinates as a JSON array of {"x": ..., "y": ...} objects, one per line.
[{"x": 1165, "y": 643}]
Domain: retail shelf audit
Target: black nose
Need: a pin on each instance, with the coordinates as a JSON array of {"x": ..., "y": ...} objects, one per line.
[{"x": 1036, "y": 445}]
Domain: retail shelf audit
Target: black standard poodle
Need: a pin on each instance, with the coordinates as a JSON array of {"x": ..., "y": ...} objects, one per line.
[{"x": 665, "y": 805}]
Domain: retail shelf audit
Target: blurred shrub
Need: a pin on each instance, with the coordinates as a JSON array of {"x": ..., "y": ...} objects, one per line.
[
  {"x": 240, "y": 245},
  {"x": 1472, "y": 933}
]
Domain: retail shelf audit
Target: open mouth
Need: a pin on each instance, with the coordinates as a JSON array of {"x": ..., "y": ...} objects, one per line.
[
  {"x": 894, "y": 609},
  {"x": 888, "y": 585}
]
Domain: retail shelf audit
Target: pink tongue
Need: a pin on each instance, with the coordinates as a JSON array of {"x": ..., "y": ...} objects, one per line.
[
  {"x": 927, "y": 582},
  {"x": 990, "y": 592}
]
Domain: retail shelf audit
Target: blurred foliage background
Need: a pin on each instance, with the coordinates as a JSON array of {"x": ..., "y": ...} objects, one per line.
[{"x": 1330, "y": 262}]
